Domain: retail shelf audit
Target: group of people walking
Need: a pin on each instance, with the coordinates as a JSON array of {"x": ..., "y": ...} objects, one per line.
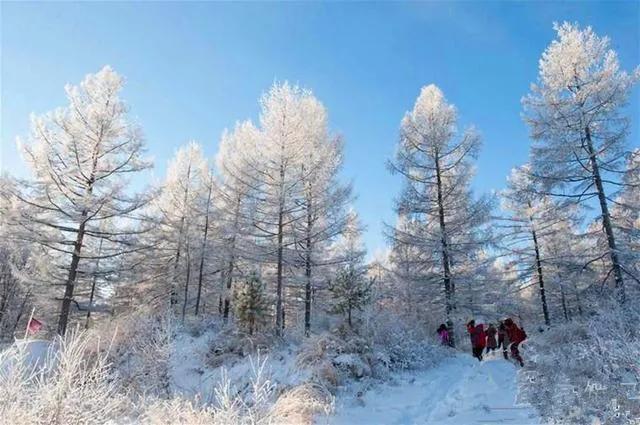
[{"x": 509, "y": 338}]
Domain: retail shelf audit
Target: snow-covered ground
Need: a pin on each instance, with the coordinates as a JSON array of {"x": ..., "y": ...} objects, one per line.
[
  {"x": 192, "y": 376},
  {"x": 459, "y": 390}
]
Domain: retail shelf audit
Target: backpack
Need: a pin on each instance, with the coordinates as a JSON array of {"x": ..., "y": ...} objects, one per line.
[{"x": 519, "y": 334}]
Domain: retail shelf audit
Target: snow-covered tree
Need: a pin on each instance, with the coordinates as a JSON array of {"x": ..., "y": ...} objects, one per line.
[
  {"x": 576, "y": 121},
  {"x": 234, "y": 200},
  {"x": 442, "y": 220},
  {"x": 81, "y": 157},
  {"x": 566, "y": 251},
  {"x": 351, "y": 288},
  {"x": 323, "y": 208},
  {"x": 204, "y": 249},
  {"x": 287, "y": 118},
  {"x": 280, "y": 188},
  {"x": 544, "y": 246},
  {"x": 626, "y": 216},
  {"x": 17, "y": 263},
  {"x": 250, "y": 303},
  {"x": 181, "y": 210},
  {"x": 528, "y": 210}
]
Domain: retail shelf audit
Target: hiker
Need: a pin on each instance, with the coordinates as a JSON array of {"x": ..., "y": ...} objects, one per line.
[
  {"x": 491, "y": 338},
  {"x": 503, "y": 339},
  {"x": 478, "y": 339},
  {"x": 443, "y": 333},
  {"x": 516, "y": 336}
]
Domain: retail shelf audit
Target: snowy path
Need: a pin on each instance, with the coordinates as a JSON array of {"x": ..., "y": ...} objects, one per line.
[{"x": 459, "y": 391}]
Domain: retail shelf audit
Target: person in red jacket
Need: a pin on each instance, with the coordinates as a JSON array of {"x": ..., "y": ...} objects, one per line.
[
  {"x": 516, "y": 336},
  {"x": 478, "y": 339}
]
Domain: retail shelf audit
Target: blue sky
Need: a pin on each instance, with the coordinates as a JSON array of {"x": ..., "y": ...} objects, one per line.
[{"x": 193, "y": 69}]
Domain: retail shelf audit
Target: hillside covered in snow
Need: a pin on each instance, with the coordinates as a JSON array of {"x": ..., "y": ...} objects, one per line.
[{"x": 391, "y": 248}]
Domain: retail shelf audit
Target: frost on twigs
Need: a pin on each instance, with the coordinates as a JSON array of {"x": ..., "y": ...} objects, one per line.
[
  {"x": 301, "y": 403},
  {"x": 587, "y": 369},
  {"x": 231, "y": 345},
  {"x": 72, "y": 384},
  {"x": 142, "y": 350},
  {"x": 383, "y": 346},
  {"x": 256, "y": 404}
]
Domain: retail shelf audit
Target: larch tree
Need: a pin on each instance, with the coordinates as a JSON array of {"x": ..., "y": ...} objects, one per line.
[
  {"x": 18, "y": 263},
  {"x": 351, "y": 288},
  {"x": 280, "y": 201},
  {"x": 204, "y": 248},
  {"x": 273, "y": 169},
  {"x": 81, "y": 157},
  {"x": 286, "y": 112},
  {"x": 626, "y": 215},
  {"x": 529, "y": 212},
  {"x": 414, "y": 281},
  {"x": 566, "y": 251},
  {"x": 576, "y": 121},
  {"x": 323, "y": 207},
  {"x": 435, "y": 162},
  {"x": 180, "y": 208},
  {"x": 236, "y": 185}
]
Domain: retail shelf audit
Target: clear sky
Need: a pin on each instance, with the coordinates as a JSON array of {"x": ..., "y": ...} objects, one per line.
[{"x": 193, "y": 69}]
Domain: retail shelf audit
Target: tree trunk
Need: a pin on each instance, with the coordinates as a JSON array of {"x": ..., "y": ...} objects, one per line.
[
  {"x": 71, "y": 278},
  {"x": 226, "y": 309},
  {"x": 227, "y": 291},
  {"x": 229, "y": 274},
  {"x": 449, "y": 289},
  {"x": 307, "y": 292},
  {"x": 279, "y": 310},
  {"x": 564, "y": 304},
  {"x": 204, "y": 247},
  {"x": 7, "y": 290},
  {"x": 543, "y": 296},
  {"x": 77, "y": 248},
  {"x": 174, "y": 292},
  {"x": 21, "y": 311},
  {"x": 606, "y": 218},
  {"x": 577, "y": 292},
  {"x": 186, "y": 285},
  {"x": 307, "y": 298},
  {"x": 93, "y": 284}
]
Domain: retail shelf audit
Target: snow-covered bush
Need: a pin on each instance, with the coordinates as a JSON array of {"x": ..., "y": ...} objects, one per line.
[
  {"x": 180, "y": 411},
  {"x": 299, "y": 404},
  {"x": 142, "y": 349},
  {"x": 404, "y": 345},
  {"x": 76, "y": 382},
  {"x": 259, "y": 403},
  {"x": 231, "y": 344},
  {"x": 72, "y": 383},
  {"x": 383, "y": 343},
  {"x": 587, "y": 369}
]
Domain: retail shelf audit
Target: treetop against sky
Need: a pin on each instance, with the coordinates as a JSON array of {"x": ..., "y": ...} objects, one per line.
[{"x": 194, "y": 69}]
